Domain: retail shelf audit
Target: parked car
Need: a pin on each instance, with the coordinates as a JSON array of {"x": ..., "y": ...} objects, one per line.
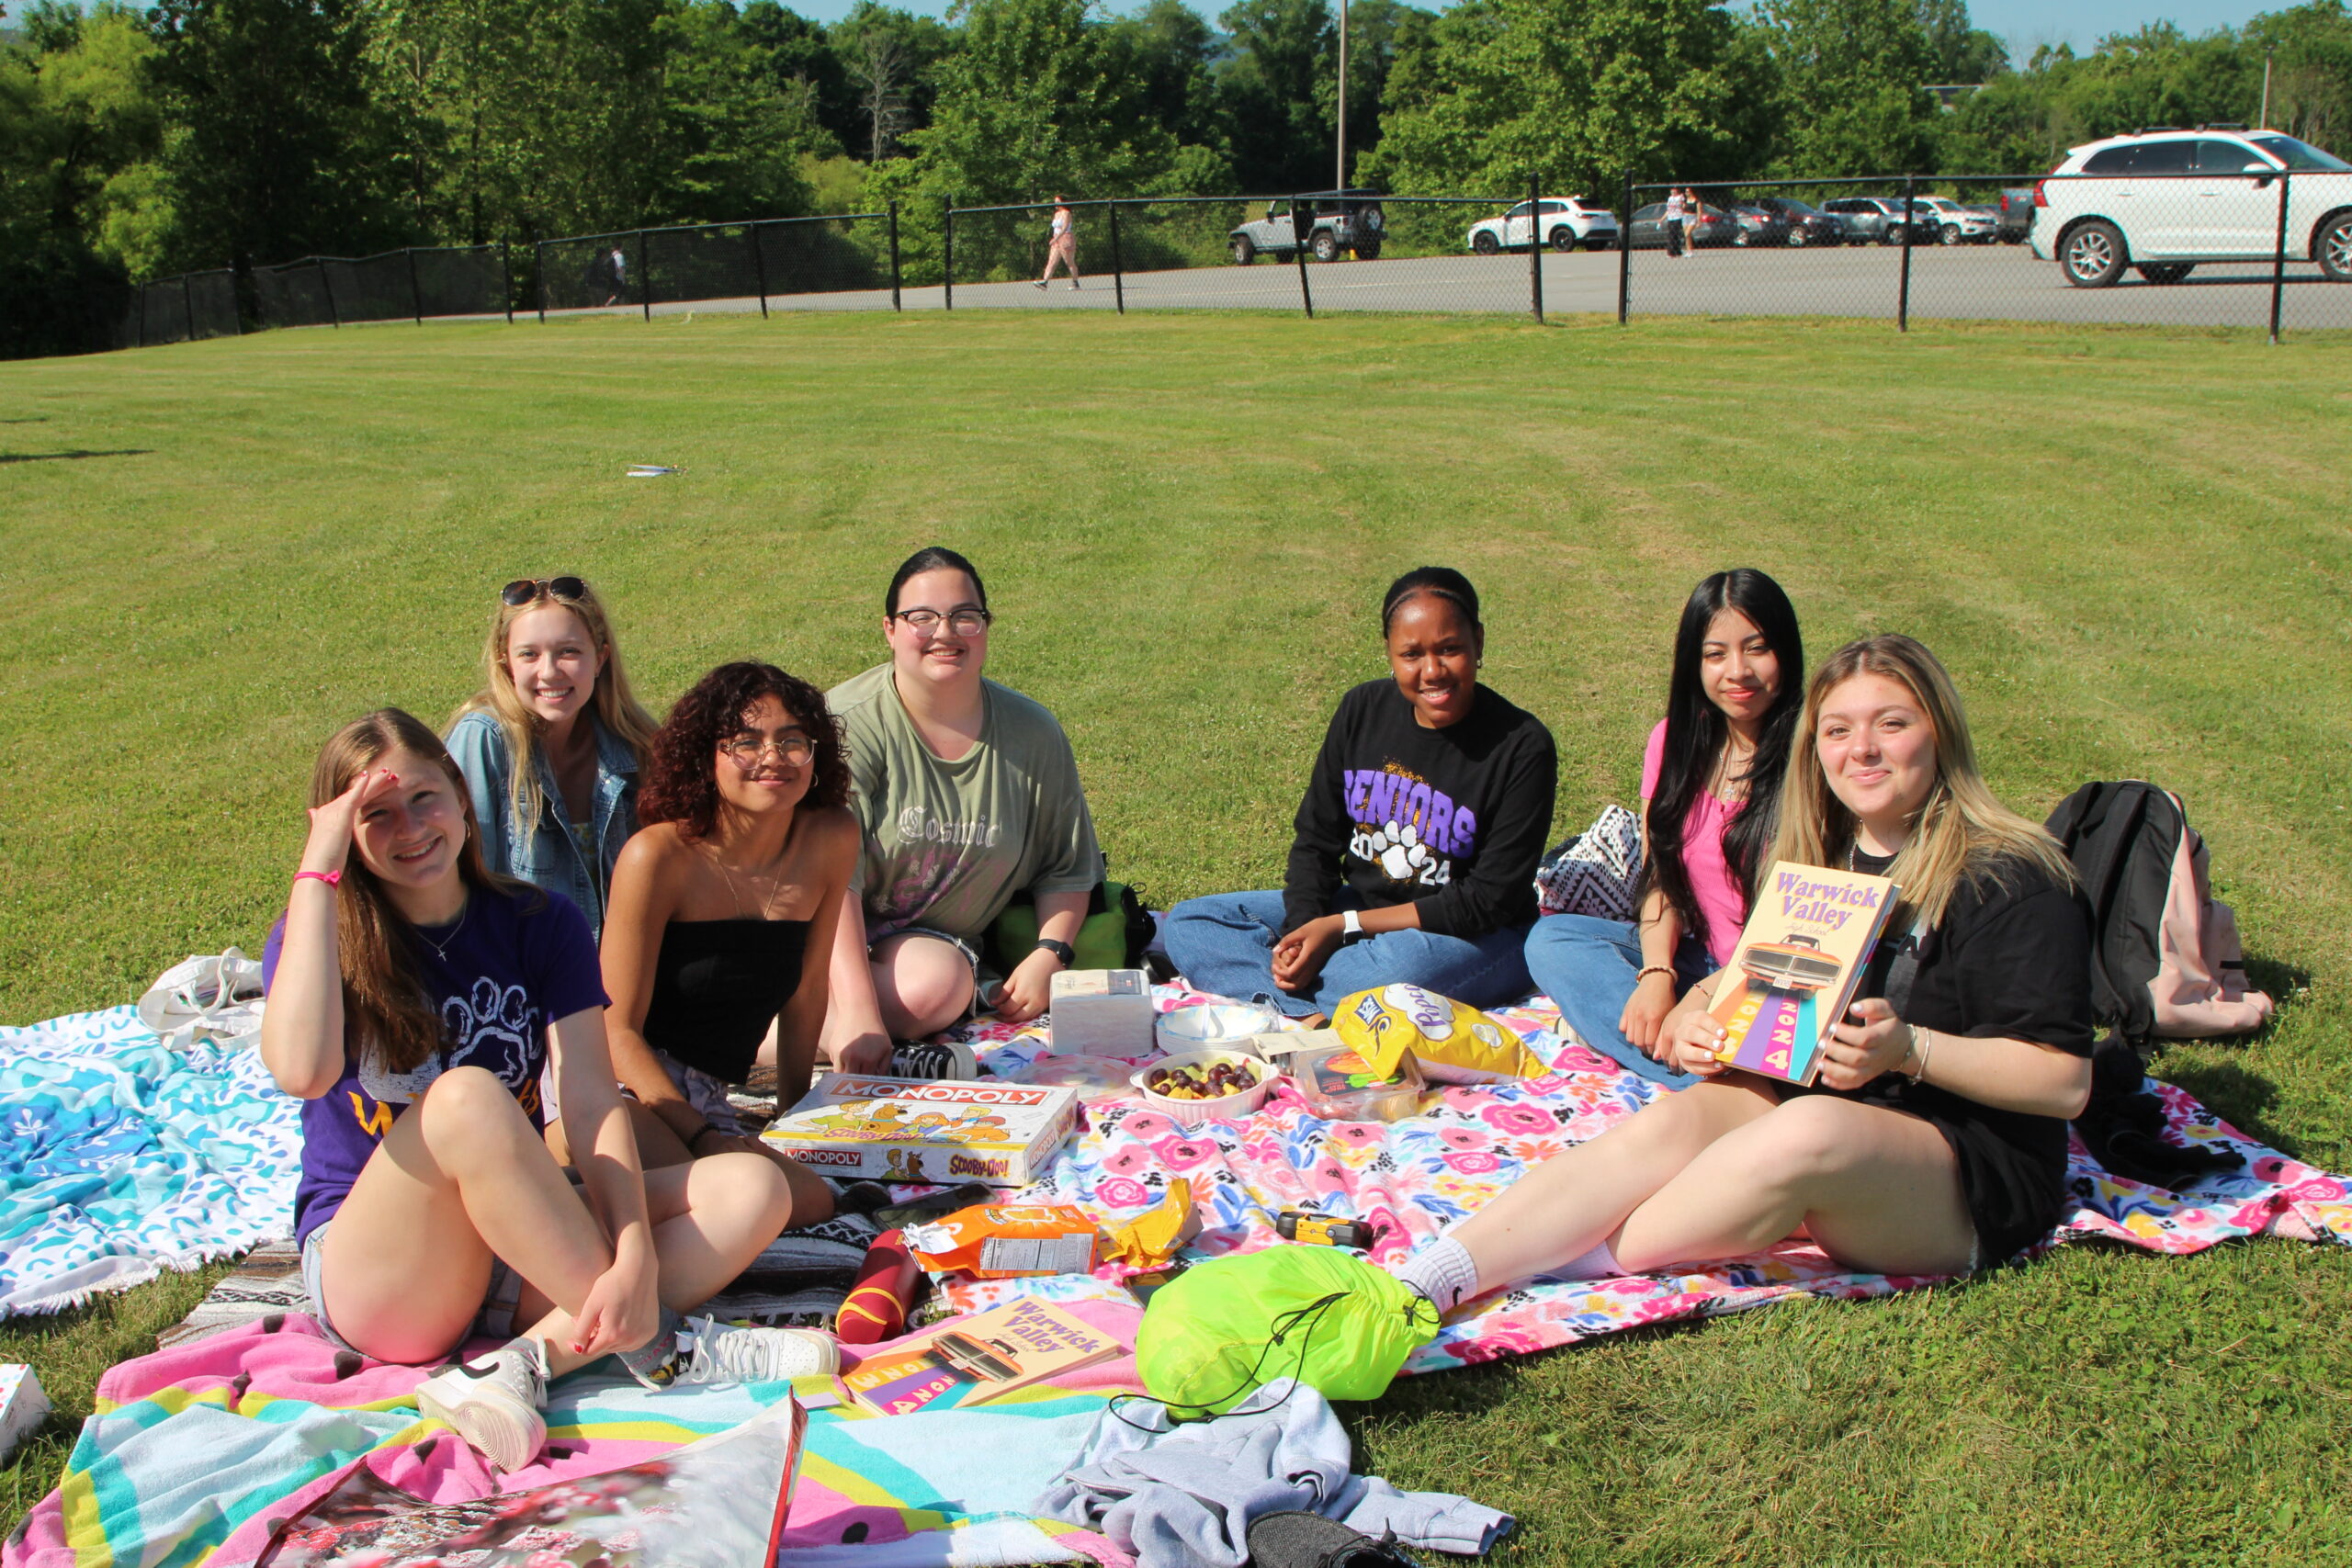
[
  {"x": 1808, "y": 225},
  {"x": 2015, "y": 213},
  {"x": 1564, "y": 222},
  {"x": 1949, "y": 223},
  {"x": 1758, "y": 225},
  {"x": 1709, "y": 227},
  {"x": 1335, "y": 220},
  {"x": 1869, "y": 218},
  {"x": 2163, "y": 202}
]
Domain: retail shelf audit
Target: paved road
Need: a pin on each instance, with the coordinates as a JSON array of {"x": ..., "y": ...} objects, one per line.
[{"x": 1970, "y": 282}]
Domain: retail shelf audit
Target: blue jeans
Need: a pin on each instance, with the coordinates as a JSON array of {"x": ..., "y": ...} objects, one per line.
[
  {"x": 1225, "y": 944},
  {"x": 1587, "y": 966}
]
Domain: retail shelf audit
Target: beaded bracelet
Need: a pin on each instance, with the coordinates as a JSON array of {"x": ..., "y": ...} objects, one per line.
[
  {"x": 1646, "y": 971},
  {"x": 704, "y": 1130}
]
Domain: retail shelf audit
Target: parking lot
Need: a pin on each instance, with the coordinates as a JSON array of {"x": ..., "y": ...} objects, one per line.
[{"x": 1968, "y": 282}]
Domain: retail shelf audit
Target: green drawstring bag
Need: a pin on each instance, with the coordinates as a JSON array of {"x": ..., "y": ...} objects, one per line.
[{"x": 1330, "y": 1319}]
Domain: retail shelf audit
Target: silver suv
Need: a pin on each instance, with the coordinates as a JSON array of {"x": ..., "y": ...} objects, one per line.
[
  {"x": 1332, "y": 221},
  {"x": 2161, "y": 201}
]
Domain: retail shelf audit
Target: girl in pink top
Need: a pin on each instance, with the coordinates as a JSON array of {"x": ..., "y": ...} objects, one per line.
[
  {"x": 1711, "y": 783},
  {"x": 1061, "y": 249}
]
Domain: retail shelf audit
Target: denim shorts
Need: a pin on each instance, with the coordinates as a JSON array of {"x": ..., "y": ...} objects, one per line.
[
  {"x": 987, "y": 986},
  {"x": 706, "y": 1094}
]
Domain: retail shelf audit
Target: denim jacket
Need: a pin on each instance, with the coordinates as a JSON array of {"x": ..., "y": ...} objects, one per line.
[{"x": 550, "y": 859}]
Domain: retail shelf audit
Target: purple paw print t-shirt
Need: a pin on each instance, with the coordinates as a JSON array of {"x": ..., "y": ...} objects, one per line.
[{"x": 498, "y": 976}]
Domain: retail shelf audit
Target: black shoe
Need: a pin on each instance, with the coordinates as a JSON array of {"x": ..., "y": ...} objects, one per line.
[{"x": 1296, "y": 1539}]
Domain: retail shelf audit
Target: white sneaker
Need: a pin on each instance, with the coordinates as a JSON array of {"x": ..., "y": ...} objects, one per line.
[
  {"x": 494, "y": 1402},
  {"x": 719, "y": 1352}
]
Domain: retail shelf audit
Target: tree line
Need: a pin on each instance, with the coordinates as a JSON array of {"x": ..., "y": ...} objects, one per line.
[{"x": 203, "y": 133}]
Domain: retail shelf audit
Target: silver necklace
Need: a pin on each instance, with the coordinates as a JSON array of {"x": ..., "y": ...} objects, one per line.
[{"x": 441, "y": 949}]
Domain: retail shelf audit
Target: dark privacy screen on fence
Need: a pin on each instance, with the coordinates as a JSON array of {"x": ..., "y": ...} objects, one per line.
[{"x": 835, "y": 262}]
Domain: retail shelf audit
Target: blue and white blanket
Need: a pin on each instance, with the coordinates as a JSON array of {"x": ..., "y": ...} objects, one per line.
[{"x": 120, "y": 1159}]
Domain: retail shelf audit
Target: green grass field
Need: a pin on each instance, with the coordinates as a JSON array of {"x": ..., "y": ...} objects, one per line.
[{"x": 2129, "y": 546}]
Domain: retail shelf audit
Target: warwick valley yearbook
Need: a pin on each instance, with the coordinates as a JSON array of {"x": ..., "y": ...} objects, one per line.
[
  {"x": 977, "y": 1358},
  {"x": 1796, "y": 965}
]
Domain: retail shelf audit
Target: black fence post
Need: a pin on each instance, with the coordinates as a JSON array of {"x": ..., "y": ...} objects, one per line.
[
  {"x": 415, "y": 295},
  {"x": 644, "y": 276},
  {"x": 759, "y": 268},
  {"x": 2279, "y": 258},
  {"x": 1626, "y": 255},
  {"x": 1910, "y": 227},
  {"x": 1118, "y": 268},
  {"x": 1301, "y": 226},
  {"x": 506, "y": 277},
  {"x": 539, "y": 275},
  {"x": 894, "y": 258},
  {"x": 143, "y": 315},
  {"x": 187, "y": 303},
  {"x": 947, "y": 256},
  {"x": 1534, "y": 243},
  {"x": 326, "y": 286}
]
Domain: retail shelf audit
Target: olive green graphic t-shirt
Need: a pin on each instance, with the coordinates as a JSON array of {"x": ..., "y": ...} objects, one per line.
[{"x": 948, "y": 845}]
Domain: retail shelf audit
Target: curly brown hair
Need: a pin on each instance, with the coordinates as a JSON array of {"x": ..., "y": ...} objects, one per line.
[{"x": 681, "y": 782}]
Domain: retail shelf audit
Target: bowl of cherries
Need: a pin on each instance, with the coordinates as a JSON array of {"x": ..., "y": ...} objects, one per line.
[{"x": 1194, "y": 1087}]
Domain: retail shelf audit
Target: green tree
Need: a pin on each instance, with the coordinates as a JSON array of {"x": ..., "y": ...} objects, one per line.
[
  {"x": 1579, "y": 91},
  {"x": 2310, "y": 78},
  {"x": 1958, "y": 50},
  {"x": 894, "y": 62},
  {"x": 1853, "y": 78},
  {"x": 1037, "y": 101},
  {"x": 1170, "y": 48},
  {"x": 277, "y": 145},
  {"x": 1276, "y": 85}
]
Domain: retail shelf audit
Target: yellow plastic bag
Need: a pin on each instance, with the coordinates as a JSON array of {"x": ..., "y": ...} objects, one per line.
[{"x": 1452, "y": 1042}]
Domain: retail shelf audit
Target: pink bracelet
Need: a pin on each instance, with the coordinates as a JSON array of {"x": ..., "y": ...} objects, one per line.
[{"x": 329, "y": 877}]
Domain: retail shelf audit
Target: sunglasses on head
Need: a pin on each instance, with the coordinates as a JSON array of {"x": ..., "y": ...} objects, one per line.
[{"x": 522, "y": 589}]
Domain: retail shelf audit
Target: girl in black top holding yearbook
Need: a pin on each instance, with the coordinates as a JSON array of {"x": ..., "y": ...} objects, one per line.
[
  {"x": 1417, "y": 841},
  {"x": 1935, "y": 1137}
]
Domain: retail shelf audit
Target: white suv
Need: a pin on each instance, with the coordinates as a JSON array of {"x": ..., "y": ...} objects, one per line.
[
  {"x": 1956, "y": 225},
  {"x": 1564, "y": 222},
  {"x": 2162, "y": 202}
]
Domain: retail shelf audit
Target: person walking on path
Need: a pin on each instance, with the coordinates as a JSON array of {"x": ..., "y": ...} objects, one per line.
[
  {"x": 1062, "y": 248},
  {"x": 1677, "y": 211}
]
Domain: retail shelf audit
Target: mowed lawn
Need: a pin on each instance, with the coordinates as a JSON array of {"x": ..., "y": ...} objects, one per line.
[{"x": 2131, "y": 549}]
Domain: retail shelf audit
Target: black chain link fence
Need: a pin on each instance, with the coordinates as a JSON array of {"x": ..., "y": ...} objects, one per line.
[
  {"x": 2233, "y": 248},
  {"x": 2240, "y": 247},
  {"x": 845, "y": 261},
  {"x": 181, "y": 309}
]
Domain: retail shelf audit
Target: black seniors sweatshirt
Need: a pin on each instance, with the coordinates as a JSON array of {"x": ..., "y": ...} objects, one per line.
[{"x": 1452, "y": 820}]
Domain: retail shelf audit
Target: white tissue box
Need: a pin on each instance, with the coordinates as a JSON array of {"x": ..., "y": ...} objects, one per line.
[
  {"x": 1102, "y": 1012},
  {"x": 23, "y": 1406}
]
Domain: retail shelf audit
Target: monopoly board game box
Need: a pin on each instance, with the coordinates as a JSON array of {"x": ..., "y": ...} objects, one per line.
[{"x": 850, "y": 1125}]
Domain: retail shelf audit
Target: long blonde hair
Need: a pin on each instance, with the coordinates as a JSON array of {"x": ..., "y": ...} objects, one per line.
[
  {"x": 615, "y": 705},
  {"x": 386, "y": 1013},
  {"x": 1961, "y": 834}
]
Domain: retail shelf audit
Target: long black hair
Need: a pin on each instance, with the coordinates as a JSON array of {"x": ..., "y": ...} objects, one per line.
[{"x": 1696, "y": 733}]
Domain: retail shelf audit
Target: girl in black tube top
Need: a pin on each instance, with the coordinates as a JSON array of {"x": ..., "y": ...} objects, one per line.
[{"x": 735, "y": 876}]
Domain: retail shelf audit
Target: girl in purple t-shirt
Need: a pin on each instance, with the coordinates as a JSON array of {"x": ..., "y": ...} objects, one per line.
[
  {"x": 1710, "y": 785},
  {"x": 413, "y": 999}
]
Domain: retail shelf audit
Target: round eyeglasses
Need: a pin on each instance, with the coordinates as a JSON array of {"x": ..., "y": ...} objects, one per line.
[{"x": 745, "y": 750}]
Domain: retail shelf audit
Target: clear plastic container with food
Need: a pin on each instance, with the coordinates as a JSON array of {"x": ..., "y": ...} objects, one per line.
[{"x": 1340, "y": 1085}]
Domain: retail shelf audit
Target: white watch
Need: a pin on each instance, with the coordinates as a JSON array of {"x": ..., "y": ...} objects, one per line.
[{"x": 1351, "y": 926}]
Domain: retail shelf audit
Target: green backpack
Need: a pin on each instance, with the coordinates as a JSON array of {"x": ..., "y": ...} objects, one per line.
[
  {"x": 1113, "y": 936},
  {"x": 1330, "y": 1319}
]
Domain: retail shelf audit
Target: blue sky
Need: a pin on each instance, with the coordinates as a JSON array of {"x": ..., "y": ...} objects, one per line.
[{"x": 2023, "y": 22}]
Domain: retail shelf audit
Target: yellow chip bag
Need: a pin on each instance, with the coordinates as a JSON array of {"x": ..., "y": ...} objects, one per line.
[{"x": 1454, "y": 1044}]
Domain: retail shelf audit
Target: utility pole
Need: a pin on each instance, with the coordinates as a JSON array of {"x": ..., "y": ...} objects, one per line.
[
  {"x": 1339, "y": 180},
  {"x": 2262, "y": 120}
]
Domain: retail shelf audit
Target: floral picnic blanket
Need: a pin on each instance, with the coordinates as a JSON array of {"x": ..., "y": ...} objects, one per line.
[
  {"x": 120, "y": 1158},
  {"x": 195, "y": 1451},
  {"x": 1412, "y": 1179}
]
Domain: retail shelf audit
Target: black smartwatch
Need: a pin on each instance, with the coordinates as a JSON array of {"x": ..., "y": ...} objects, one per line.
[{"x": 1061, "y": 950}]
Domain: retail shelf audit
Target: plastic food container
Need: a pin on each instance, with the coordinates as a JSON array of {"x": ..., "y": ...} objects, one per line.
[
  {"x": 1339, "y": 1086},
  {"x": 1211, "y": 1024},
  {"x": 1192, "y": 1112}
]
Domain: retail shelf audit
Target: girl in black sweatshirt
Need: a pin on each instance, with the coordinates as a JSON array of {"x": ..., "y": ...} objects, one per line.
[{"x": 1416, "y": 840}]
